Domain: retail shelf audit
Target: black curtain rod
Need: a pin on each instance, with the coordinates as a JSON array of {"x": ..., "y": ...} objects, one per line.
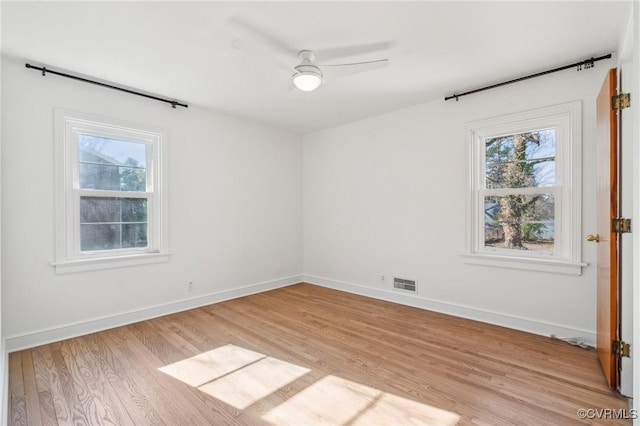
[
  {"x": 587, "y": 63},
  {"x": 109, "y": 86}
]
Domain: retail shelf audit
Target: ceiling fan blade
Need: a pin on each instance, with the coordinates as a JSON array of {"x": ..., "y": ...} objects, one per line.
[
  {"x": 332, "y": 53},
  {"x": 259, "y": 37},
  {"x": 378, "y": 63},
  {"x": 343, "y": 70}
]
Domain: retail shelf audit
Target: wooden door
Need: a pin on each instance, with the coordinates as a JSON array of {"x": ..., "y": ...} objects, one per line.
[{"x": 607, "y": 208}]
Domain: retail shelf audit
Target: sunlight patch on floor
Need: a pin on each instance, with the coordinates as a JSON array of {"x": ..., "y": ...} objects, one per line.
[
  {"x": 240, "y": 378},
  {"x": 208, "y": 366},
  {"x": 236, "y": 376},
  {"x": 336, "y": 401},
  {"x": 254, "y": 382}
]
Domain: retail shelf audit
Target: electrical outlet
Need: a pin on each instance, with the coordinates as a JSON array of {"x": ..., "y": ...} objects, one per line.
[
  {"x": 190, "y": 287},
  {"x": 382, "y": 278}
]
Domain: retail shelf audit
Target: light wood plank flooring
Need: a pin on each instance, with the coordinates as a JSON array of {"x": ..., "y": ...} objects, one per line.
[{"x": 305, "y": 355}]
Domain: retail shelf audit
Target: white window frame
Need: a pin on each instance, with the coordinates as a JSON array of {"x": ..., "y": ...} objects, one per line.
[
  {"x": 69, "y": 258},
  {"x": 566, "y": 257}
]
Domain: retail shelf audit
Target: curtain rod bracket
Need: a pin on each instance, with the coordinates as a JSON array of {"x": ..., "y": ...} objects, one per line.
[{"x": 586, "y": 64}]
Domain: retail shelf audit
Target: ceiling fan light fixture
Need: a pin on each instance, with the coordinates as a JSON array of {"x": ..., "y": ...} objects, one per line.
[{"x": 307, "y": 77}]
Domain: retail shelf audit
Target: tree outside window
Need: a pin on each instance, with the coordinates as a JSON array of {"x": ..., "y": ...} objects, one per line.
[{"x": 515, "y": 220}]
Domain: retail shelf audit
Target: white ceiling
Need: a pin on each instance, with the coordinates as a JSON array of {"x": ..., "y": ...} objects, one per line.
[{"x": 190, "y": 51}]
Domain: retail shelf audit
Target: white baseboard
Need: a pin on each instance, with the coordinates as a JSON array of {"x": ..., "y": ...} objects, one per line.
[
  {"x": 55, "y": 334},
  {"x": 518, "y": 323}
]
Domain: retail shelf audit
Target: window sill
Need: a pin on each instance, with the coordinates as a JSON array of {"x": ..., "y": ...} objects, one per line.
[
  {"x": 528, "y": 264},
  {"x": 83, "y": 265}
]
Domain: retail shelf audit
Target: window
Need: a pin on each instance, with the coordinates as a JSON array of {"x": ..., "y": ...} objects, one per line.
[
  {"x": 524, "y": 190},
  {"x": 111, "y": 209}
]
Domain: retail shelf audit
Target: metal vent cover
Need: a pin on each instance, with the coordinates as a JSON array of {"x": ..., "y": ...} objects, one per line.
[{"x": 404, "y": 284}]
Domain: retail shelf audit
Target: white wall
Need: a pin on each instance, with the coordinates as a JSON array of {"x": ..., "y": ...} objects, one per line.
[
  {"x": 4, "y": 376},
  {"x": 235, "y": 212},
  {"x": 386, "y": 196}
]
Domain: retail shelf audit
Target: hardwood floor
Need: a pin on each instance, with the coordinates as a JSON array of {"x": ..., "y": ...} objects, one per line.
[{"x": 306, "y": 355}]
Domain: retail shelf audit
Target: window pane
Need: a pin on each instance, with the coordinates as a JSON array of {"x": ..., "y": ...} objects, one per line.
[
  {"x": 94, "y": 176},
  {"x": 134, "y": 210},
  {"x": 95, "y": 149},
  {"x": 133, "y": 179},
  {"x": 112, "y": 236},
  {"x": 99, "y": 237},
  {"x": 100, "y": 210},
  {"x": 521, "y": 160},
  {"x": 111, "y": 164},
  {"x": 519, "y": 222},
  {"x": 110, "y": 209},
  {"x": 112, "y": 178},
  {"x": 134, "y": 235}
]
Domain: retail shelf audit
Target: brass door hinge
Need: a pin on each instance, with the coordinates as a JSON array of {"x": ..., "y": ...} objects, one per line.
[
  {"x": 620, "y": 225},
  {"x": 620, "y": 348},
  {"x": 621, "y": 101}
]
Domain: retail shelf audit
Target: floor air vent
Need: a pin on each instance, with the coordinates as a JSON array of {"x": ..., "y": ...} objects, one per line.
[{"x": 404, "y": 284}]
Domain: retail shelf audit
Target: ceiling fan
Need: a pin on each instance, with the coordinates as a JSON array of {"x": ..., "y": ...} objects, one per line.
[{"x": 307, "y": 74}]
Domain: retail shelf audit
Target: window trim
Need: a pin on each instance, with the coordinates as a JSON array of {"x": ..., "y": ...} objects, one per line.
[
  {"x": 566, "y": 258},
  {"x": 68, "y": 256}
]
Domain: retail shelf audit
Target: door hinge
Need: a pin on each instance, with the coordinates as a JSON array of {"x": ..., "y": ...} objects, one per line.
[
  {"x": 621, "y": 101},
  {"x": 620, "y": 225},
  {"x": 620, "y": 348}
]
